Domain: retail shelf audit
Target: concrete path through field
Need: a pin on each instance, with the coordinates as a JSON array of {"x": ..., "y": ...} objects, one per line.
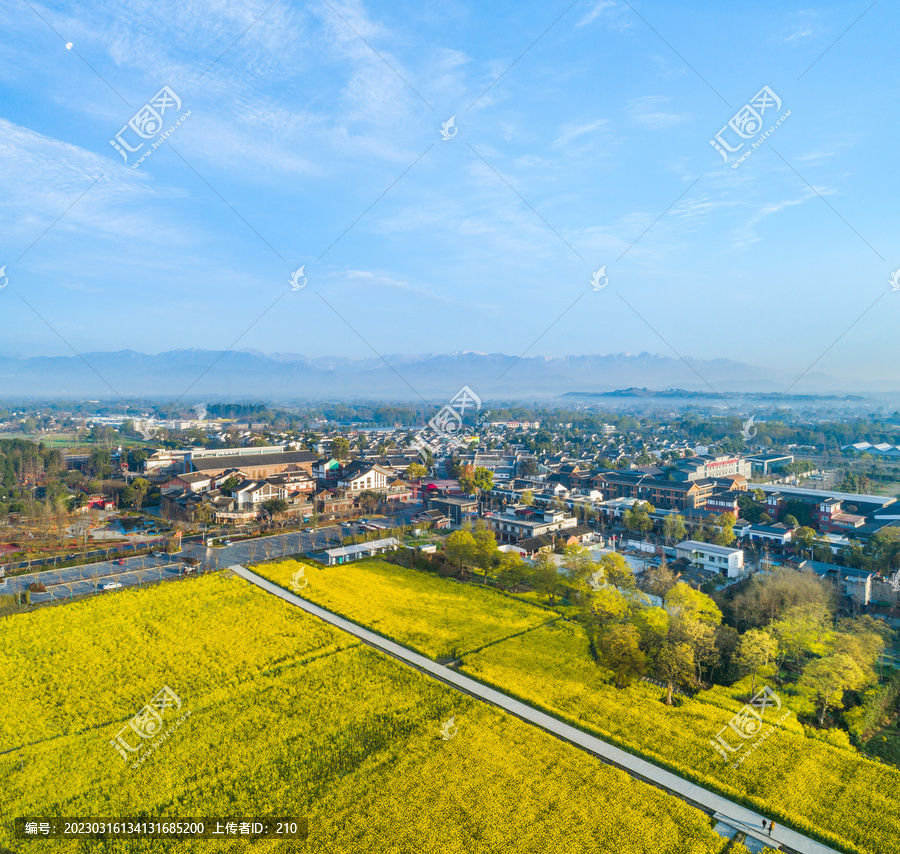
[{"x": 737, "y": 816}]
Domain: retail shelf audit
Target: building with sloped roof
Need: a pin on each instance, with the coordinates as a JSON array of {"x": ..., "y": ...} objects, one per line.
[{"x": 254, "y": 465}]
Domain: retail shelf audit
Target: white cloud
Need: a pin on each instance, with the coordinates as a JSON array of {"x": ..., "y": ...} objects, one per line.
[
  {"x": 570, "y": 132},
  {"x": 820, "y": 154},
  {"x": 599, "y": 9},
  {"x": 615, "y": 13},
  {"x": 377, "y": 280},
  {"x": 42, "y": 178},
  {"x": 649, "y": 111},
  {"x": 803, "y": 26},
  {"x": 747, "y": 234}
]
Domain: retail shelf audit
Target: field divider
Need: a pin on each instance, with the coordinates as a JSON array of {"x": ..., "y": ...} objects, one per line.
[
  {"x": 510, "y": 637},
  {"x": 697, "y": 796}
]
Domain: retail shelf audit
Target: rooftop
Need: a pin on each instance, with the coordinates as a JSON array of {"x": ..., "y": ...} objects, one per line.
[
  {"x": 696, "y": 545},
  {"x": 363, "y": 548}
]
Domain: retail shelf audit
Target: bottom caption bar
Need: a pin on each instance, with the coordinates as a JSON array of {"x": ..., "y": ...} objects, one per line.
[{"x": 161, "y": 828}]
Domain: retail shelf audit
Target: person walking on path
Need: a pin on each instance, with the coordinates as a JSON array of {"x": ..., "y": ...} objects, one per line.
[{"x": 771, "y": 827}]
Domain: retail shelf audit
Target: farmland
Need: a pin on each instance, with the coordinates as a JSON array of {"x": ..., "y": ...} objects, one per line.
[
  {"x": 290, "y": 717},
  {"x": 795, "y": 777},
  {"x": 434, "y": 616}
]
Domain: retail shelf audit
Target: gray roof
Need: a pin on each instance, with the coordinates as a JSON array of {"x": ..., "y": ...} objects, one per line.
[{"x": 248, "y": 461}]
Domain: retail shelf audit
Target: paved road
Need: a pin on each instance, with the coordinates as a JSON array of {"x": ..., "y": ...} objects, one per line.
[
  {"x": 725, "y": 810},
  {"x": 75, "y": 581}
]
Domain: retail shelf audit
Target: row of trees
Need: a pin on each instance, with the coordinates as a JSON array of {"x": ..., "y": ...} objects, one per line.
[
  {"x": 791, "y": 636},
  {"x": 779, "y": 627}
]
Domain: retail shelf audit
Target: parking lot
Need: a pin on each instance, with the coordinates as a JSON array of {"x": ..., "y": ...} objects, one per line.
[{"x": 76, "y": 581}]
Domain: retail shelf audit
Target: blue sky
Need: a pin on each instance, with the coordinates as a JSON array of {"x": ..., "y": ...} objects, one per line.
[{"x": 599, "y": 132}]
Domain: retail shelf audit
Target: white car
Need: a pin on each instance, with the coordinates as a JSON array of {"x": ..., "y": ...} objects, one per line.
[{"x": 112, "y": 585}]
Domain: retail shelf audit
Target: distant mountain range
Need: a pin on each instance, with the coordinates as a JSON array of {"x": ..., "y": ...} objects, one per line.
[{"x": 199, "y": 374}]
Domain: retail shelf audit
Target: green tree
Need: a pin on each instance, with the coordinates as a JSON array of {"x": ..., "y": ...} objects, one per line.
[
  {"x": 141, "y": 487},
  {"x": 617, "y": 570},
  {"x": 652, "y": 625},
  {"x": 767, "y": 597},
  {"x": 139, "y": 456},
  {"x": 340, "y": 448},
  {"x": 528, "y": 497},
  {"x": 637, "y": 518},
  {"x": 546, "y": 578},
  {"x": 693, "y": 617},
  {"x": 801, "y": 632},
  {"x": 724, "y": 536},
  {"x": 465, "y": 476},
  {"x": 484, "y": 479},
  {"x": 802, "y": 511},
  {"x": 804, "y": 537},
  {"x": 750, "y": 507},
  {"x": 459, "y": 548},
  {"x": 756, "y": 649},
  {"x": 414, "y": 471},
  {"x": 608, "y": 605},
  {"x": 825, "y": 680},
  {"x": 485, "y": 548},
  {"x": 618, "y": 648},
  {"x": 675, "y": 664},
  {"x": 580, "y": 564},
  {"x": 101, "y": 462},
  {"x": 673, "y": 528},
  {"x": 275, "y": 506},
  {"x": 513, "y": 571}
]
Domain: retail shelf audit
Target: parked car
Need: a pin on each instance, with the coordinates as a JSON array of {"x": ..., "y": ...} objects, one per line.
[
  {"x": 121, "y": 561},
  {"x": 112, "y": 585},
  {"x": 189, "y": 570},
  {"x": 159, "y": 554}
]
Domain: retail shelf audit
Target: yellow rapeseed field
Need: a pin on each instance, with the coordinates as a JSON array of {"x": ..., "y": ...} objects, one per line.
[
  {"x": 826, "y": 791},
  {"x": 439, "y": 618},
  {"x": 290, "y": 717},
  {"x": 791, "y": 776}
]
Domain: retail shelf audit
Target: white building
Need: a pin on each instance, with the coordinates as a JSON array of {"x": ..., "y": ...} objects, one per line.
[
  {"x": 712, "y": 558},
  {"x": 361, "y": 476},
  {"x": 345, "y": 554}
]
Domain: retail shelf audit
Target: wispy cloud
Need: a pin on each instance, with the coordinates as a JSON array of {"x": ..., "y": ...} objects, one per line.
[
  {"x": 820, "y": 154},
  {"x": 614, "y": 13},
  {"x": 650, "y": 111},
  {"x": 42, "y": 176},
  {"x": 596, "y": 11},
  {"x": 570, "y": 132},
  {"x": 374, "y": 281},
  {"x": 747, "y": 233},
  {"x": 695, "y": 207},
  {"x": 803, "y": 26}
]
